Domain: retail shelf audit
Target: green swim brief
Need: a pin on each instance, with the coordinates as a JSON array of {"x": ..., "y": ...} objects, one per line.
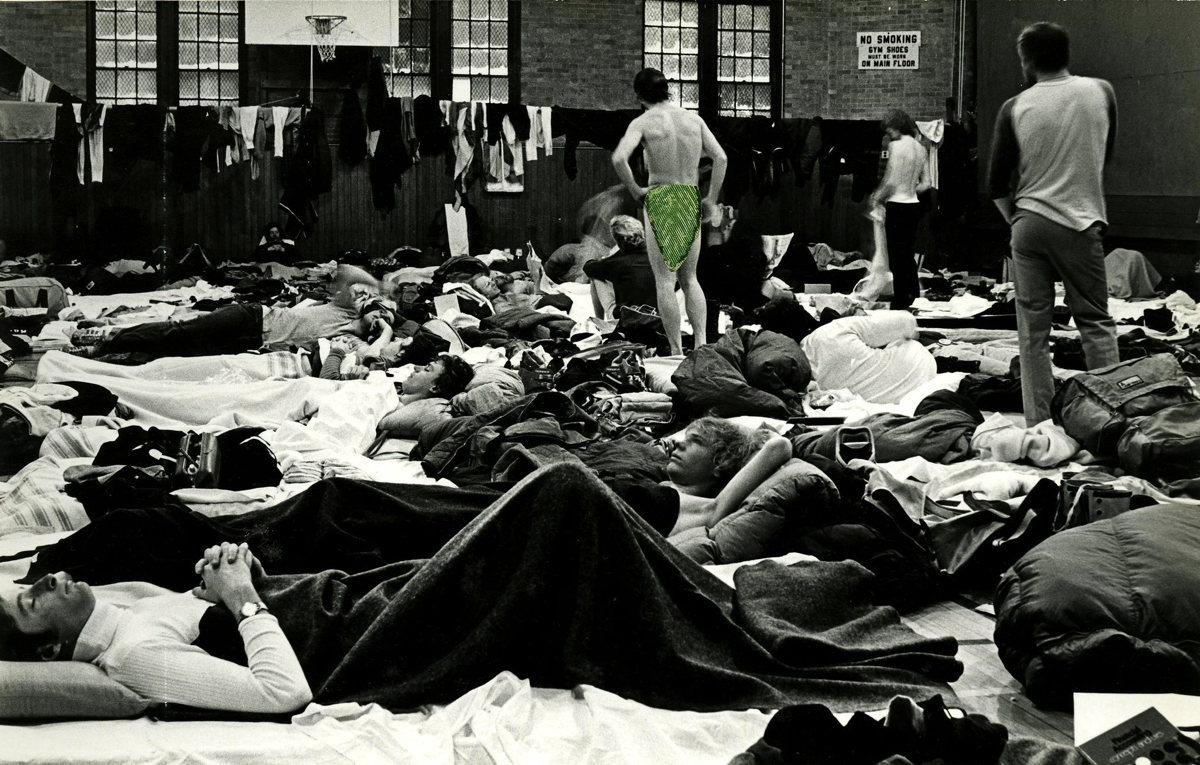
[{"x": 674, "y": 214}]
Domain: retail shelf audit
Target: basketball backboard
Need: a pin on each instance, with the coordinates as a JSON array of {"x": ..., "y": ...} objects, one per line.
[{"x": 283, "y": 22}]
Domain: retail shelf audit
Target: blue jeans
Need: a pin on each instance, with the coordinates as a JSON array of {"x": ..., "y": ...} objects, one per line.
[{"x": 1043, "y": 252}]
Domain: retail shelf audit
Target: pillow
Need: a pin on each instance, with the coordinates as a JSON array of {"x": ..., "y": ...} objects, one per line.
[
  {"x": 408, "y": 420},
  {"x": 758, "y": 529},
  {"x": 478, "y": 399},
  {"x": 63, "y": 689},
  {"x": 507, "y": 379}
]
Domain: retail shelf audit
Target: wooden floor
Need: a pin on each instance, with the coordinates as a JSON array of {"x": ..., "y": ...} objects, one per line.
[{"x": 986, "y": 687}]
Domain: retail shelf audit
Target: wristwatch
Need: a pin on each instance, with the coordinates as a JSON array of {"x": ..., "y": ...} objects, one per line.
[{"x": 251, "y": 608}]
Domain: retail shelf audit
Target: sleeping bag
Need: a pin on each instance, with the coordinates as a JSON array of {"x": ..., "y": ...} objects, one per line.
[{"x": 1110, "y": 607}]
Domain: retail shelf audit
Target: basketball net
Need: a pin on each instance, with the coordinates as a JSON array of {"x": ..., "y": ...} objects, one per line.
[{"x": 323, "y": 36}]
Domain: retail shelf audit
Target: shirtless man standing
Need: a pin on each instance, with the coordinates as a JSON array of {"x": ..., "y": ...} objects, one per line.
[{"x": 674, "y": 141}]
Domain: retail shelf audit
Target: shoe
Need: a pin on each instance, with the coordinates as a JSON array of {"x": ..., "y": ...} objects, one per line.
[
  {"x": 88, "y": 336},
  {"x": 83, "y": 351}
]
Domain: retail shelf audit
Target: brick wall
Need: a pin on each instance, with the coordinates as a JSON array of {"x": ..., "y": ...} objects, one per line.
[
  {"x": 49, "y": 37},
  {"x": 581, "y": 54},
  {"x": 821, "y": 74}
]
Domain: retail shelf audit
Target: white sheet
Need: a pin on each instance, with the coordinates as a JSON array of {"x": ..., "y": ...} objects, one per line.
[{"x": 170, "y": 404}]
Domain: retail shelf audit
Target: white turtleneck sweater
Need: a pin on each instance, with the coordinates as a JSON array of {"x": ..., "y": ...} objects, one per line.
[{"x": 147, "y": 647}]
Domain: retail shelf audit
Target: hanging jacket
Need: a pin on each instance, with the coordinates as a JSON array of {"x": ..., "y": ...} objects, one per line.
[
  {"x": 309, "y": 175},
  {"x": 602, "y": 128},
  {"x": 391, "y": 158},
  {"x": 352, "y": 146},
  {"x": 132, "y": 133}
]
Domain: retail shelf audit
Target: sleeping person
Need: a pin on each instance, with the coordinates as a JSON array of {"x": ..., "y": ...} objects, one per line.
[
  {"x": 716, "y": 465},
  {"x": 242, "y": 327},
  {"x": 403, "y": 598}
]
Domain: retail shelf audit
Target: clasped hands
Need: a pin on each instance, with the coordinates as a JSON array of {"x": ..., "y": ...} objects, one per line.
[{"x": 226, "y": 572}]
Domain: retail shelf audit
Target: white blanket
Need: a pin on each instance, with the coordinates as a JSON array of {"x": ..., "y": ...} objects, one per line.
[
  {"x": 241, "y": 367},
  {"x": 173, "y": 404}
]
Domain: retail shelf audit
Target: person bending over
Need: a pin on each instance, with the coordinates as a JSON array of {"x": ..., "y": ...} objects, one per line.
[
  {"x": 716, "y": 465},
  {"x": 903, "y": 180},
  {"x": 354, "y": 308},
  {"x": 674, "y": 140},
  {"x": 149, "y": 647}
]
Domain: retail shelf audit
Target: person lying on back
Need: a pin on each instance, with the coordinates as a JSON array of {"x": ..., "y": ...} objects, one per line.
[{"x": 354, "y": 308}]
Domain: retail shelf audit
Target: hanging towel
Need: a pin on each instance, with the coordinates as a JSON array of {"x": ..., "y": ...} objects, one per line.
[
  {"x": 532, "y": 143},
  {"x": 248, "y": 121},
  {"x": 456, "y": 231},
  {"x": 547, "y": 129},
  {"x": 279, "y": 115},
  {"x": 513, "y": 146},
  {"x": 931, "y": 138},
  {"x": 34, "y": 87},
  {"x": 21, "y": 121}
]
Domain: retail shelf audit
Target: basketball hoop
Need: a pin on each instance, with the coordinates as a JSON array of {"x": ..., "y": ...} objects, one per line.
[{"x": 323, "y": 35}]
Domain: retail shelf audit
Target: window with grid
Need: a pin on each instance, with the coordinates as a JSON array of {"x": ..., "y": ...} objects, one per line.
[
  {"x": 722, "y": 57},
  {"x": 479, "y": 50},
  {"x": 208, "y": 52},
  {"x": 126, "y": 51},
  {"x": 744, "y": 60},
  {"x": 672, "y": 45},
  {"x": 408, "y": 68},
  {"x": 462, "y": 50}
]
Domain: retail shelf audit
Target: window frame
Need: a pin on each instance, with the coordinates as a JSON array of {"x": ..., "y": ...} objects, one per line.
[
  {"x": 167, "y": 47},
  {"x": 708, "y": 53},
  {"x": 441, "y": 75}
]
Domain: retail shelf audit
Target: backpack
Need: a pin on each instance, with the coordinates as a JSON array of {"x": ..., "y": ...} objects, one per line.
[
  {"x": 35, "y": 292},
  {"x": 1164, "y": 445},
  {"x": 1095, "y": 408}
]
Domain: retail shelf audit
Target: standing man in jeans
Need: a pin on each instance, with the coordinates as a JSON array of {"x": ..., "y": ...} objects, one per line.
[{"x": 1056, "y": 135}]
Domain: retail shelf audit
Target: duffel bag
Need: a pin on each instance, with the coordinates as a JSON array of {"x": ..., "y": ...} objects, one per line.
[
  {"x": 34, "y": 292},
  {"x": 1164, "y": 445},
  {"x": 1095, "y": 408}
]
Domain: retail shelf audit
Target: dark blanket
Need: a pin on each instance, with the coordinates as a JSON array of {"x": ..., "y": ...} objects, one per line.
[
  {"x": 335, "y": 524},
  {"x": 560, "y": 583}
]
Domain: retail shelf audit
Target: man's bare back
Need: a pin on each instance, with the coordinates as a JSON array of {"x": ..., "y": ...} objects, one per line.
[{"x": 673, "y": 143}]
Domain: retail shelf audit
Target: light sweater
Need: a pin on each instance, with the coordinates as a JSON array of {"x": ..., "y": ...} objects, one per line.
[
  {"x": 147, "y": 647},
  {"x": 1057, "y": 135},
  {"x": 873, "y": 356}
]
